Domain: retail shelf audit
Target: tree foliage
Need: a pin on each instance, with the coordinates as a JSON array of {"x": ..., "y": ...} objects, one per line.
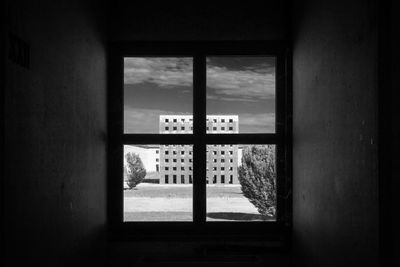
[
  {"x": 136, "y": 170},
  {"x": 257, "y": 176}
]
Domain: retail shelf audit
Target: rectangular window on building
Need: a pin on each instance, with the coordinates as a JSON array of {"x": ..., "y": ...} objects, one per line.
[
  {"x": 166, "y": 179},
  {"x": 174, "y": 179},
  {"x": 182, "y": 179},
  {"x": 222, "y": 179}
]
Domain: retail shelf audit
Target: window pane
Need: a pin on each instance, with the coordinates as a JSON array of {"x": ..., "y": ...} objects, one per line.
[
  {"x": 153, "y": 87},
  {"x": 243, "y": 87},
  {"x": 241, "y": 183},
  {"x": 165, "y": 176}
]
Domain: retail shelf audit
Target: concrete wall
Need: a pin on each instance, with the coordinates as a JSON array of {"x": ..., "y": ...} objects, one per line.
[
  {"x": 197, "y": 21},
  {"x": 55, "y": 123},
  {"x": 335, "y": 175},
  {"x": 394, "y": 185}
]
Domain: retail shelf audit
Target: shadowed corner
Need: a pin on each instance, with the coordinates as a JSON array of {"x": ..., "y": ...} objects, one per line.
[{"x": 238, "y": 216}]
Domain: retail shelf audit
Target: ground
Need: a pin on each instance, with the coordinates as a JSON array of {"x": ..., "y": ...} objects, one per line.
[{"x": 155, "y": 202}]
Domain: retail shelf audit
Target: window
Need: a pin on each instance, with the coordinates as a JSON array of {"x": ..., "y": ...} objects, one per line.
[{"x": 257, "y": 108}]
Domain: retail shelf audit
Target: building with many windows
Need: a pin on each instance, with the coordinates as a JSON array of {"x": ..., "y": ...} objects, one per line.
[{"x": 176, "y": 161}]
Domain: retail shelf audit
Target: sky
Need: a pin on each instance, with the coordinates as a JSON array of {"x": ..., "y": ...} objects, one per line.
[{"x": 243, "y": 86}]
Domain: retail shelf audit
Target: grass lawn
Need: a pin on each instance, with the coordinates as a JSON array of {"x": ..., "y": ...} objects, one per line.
[
  {"x": 182, "y": 191},
  {"x": 156, "y": 202}
]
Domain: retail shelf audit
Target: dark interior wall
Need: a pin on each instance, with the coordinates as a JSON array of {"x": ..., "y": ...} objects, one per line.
[
  {"x": 197, "y": 21},
  {"x": 395, "y": 137},
  {"x": 335, "y": 175},
  {"x": 55, "y": 127}
]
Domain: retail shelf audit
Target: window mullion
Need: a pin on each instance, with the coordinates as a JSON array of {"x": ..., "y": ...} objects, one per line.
[{"x": 199, "y": 132}]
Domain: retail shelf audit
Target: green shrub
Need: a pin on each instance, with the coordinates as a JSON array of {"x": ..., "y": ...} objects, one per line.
[
  {"x": 136, "y": 170},
  {"x": 257, "y": 177}
]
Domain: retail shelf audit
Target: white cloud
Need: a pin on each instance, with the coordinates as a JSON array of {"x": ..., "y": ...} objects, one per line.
[
  {"x": 164, "y": 72},
  {"x": 251, "y": 83}
]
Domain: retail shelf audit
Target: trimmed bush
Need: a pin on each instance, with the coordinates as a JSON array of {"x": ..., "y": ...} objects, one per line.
[
  {"x": 136, "y": 170},
  {"x": 257, "y": 177}
]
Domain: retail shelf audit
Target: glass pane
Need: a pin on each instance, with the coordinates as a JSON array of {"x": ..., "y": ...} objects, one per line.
[
  {"x": 153, "y": 87},
  {"x": 158, "y": 183},
  {"x": 243, "y": 87},
  {"x": 241, "y": 183}
]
